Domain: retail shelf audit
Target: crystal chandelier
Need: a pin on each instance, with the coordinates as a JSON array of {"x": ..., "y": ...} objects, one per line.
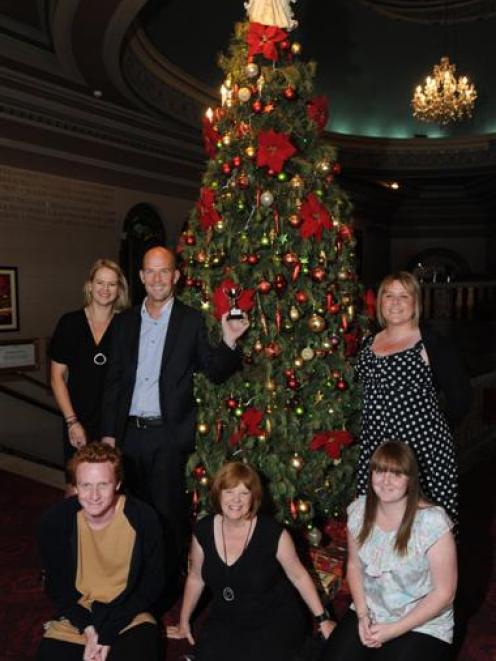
[{"x": 443, "y": 98}]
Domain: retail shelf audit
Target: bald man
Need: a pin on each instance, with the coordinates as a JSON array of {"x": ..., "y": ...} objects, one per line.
[{"x": 149, "y": 410}]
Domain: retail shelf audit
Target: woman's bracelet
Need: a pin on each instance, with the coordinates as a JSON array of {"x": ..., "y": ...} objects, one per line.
[{"x": 71, "y": 420}]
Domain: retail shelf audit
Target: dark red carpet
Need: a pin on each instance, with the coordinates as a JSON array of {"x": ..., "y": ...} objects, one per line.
[{"x": 24, "y": 607}]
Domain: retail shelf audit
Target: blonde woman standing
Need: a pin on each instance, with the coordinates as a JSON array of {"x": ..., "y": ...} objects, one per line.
[{"x": 79, "y": 353}]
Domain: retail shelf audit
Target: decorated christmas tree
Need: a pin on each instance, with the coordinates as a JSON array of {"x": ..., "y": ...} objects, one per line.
[{"x": 271, "y": 235}]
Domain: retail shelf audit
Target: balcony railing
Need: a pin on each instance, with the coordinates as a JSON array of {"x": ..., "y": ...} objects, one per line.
[{"x": 470, "y": 300}]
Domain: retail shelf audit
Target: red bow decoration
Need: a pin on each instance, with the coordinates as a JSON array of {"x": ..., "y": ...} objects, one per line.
[
  {"x": 315, "y": 217},
  {"x": 210, "y": 137},
  {"x": 370, "y": 303},
  {"x": 264, "y": 39},
  {"x": 318, "y": 111},
  {"x": 221, "y": 300},
  {"x": 331, "y": 442},
  {"x": 350, "y": 343},
  {"x": 207, "y": 213},
  {"x": 274, "y": 149},
  {"x": 249, "y": 425}
]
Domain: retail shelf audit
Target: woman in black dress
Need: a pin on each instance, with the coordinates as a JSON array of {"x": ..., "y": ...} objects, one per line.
[
  {"x": 79, "y": 351},
  {"x": 403, "y": 368},
  {"x": 246, "y": 559}
]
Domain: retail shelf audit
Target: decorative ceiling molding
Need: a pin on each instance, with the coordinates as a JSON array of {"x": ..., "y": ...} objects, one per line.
[
  {"x": 434, "y": 11},
  {"x": 162, "y": 85},
  {"x": 62, "y": 25}
]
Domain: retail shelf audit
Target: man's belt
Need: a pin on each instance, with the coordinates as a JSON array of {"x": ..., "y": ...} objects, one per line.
[{"x": 144, "y": 423}]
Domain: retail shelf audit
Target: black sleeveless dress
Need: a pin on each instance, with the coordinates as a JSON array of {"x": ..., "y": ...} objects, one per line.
[
  {"x": 401, "y": 403},
  {"x": 266, "y": 620}
]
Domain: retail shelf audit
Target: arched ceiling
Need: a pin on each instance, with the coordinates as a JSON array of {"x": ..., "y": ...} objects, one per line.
[{"x": 369, "y": 61}]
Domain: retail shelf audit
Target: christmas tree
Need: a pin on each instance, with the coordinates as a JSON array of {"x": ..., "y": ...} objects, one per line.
[{"x": 271, "y": 234}]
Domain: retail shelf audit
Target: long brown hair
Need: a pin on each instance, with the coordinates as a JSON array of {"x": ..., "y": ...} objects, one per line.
[{"x": 398, "y": 457}]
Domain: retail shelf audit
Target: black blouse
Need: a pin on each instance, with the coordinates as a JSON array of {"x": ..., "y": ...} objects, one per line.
[{"x": 72, "y": 344}]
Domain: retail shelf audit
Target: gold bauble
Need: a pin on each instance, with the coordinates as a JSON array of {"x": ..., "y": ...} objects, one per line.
[
  {"x": 244, "y": 94},
  {"x": 316, "y": 323},
  {"x": 226, "y": 139},
  {"x": 219, "y": 226},
  {"x": 251, "y": 151},
  {"x": 251, "y": 70},
  {"x": 296, "y": 48},
  {"x": 307, "y": 353},
  {"x": 258, "y": 346},
  {"x": 296, "y": 182},
  {"x": 203, "y": 428},
  {"x": 323, "y": 166},
  {"x": 204, "y": 481},
  {"x": 326, "y": 345},
  {"x": 296, "y": 461},
  {"x": 294, "y": 220},
  {"x": 303, "y": 506},
  {"x": 294, "y": 313},
  {"x": 298, "y": 363},
  {"x": 270, "y": 385},
  {"x": 342, "y": 275}
]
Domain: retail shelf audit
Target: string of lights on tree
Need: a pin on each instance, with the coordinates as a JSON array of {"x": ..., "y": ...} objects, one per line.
[{"x": 272, "y": 225}]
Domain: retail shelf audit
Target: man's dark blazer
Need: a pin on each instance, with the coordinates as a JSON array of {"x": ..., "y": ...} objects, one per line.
[{"x": 186, "y": 351}]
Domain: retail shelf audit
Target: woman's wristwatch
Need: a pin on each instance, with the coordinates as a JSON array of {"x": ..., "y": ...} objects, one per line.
[{"x": 323, "y": 617}]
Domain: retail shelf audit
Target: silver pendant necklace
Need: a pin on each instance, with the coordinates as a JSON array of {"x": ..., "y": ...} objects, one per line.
[{"x": 227, "y": 591}]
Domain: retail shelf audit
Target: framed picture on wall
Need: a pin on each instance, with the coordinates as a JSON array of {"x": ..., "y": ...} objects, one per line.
[{"x": 9, "y": 299}]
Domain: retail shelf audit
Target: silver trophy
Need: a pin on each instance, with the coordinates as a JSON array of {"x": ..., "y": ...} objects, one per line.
[{"x": 233, "y": 294}]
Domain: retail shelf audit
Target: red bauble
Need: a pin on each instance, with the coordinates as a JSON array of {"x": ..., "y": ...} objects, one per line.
[
  {"x": 257, "y": 106},
  {"x": 284, "y": 45},
  {"x": 271, "y": 172},
  {"x": 289, "y": 374},
  {"x": 301, "y": 297},
  {"x": 190, "y": 240},
  {"x": 293, "y": 384},
  {"x": 290, "y": 93},
  {"x": 243, "y": 181},
  {"x": 289, "y": 258},
  {"x": 236, "y": 161},
  {"x": 341, "y": 385},
  {"x": 189, "y": 282},
  {"x": 334, "y": 309},
  {"x": 272, "y": 350},
  {"x": 336, "y": 168},
  {"x": 199, "y": 472},
  {"x": 226, "y": 168},
  {"x": 231, "y": 403},
  {"x": 318, "y": 274},
  {"x": 345, "y": 232},
  {"x": 253, "y": 259},
  {"x": 280, "y": 283},
  {"x": 296, "y": 272},
  {"x": 264, "y": 287}
]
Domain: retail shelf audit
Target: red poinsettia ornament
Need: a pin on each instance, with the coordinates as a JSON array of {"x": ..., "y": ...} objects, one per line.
[
  {"x": 331, "y": 442},
  {"x": 222, "y": 302},
  {"x": 210, "y": 137},
  {"x": 207, "y": 213},
  {"x": 249, "y": 425},
  {"x": 315, "y": 217},
  {"x": 274, "y": 149},
  {"x": 318, "y": 111},
  {"x": 264, "y": 39}
]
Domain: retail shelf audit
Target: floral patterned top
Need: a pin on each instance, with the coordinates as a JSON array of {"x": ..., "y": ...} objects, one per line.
[{"x": 393, "y": 583}]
